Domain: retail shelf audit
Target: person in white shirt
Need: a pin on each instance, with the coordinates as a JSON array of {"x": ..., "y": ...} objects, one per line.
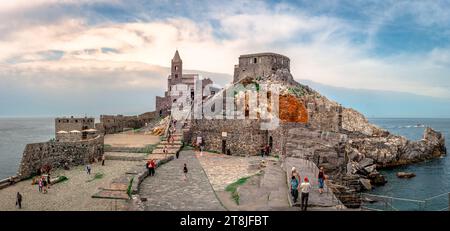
[{"x": 305, "y": 188}]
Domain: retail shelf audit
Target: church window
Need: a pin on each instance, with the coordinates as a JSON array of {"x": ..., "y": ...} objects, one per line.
[
  {"x": 176, "y": 68},
  {"x": 255, "y": 60},
  {"x": 176, "y": 76}
]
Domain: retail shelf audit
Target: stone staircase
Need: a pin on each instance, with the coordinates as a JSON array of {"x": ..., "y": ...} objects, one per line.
[{"x": 123, "y": 187}]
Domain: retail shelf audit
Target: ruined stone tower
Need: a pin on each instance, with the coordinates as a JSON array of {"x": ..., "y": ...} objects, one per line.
[{"x": 260, "y": 65}]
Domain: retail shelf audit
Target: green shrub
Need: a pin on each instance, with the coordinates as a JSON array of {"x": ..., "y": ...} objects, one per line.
[{"x": 97, "y": 176}]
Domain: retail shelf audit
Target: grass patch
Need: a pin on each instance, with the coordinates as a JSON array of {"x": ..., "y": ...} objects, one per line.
[
  {"x": 97, "y": 176},
  {"x": 147, "y": 149},
  {"x": 106, "y": 146},
  {"x": 297, "y": 91},
  {"x": 129, "y": 188},
  {"x": 232, "y": 188}
]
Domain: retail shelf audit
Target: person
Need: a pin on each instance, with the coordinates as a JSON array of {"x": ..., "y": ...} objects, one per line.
[
  {"x": 152, "y": 167},
  {"x": 165, "y": 150},
  {"x": 262, "y": 151},
  {"x": 88, "y": 169},
  {"x": 295, "y": 174},
  {"x": 185, "y": 171},
  {"x": 294, "y": 188},
  {"x": 172, "y": 139},
  {"x": 305, "y": 188},
  {"x": 48, "y": 178},
  {"x": 103, "y": 160},
  {"x": 19, "y": 200},
  {"x": 66, "y": 166},
  {"x": 177, "y": 154},
  {"x": 40, "y": 185},
  {"x": 148, "y": 165},
  {"x": 267, "y": 150},
  {"x": 44, "y": 185},
  {"x": 321, "y": 178}
]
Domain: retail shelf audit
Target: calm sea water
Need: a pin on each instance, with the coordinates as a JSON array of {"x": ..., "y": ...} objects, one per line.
[
  {"x": 15, "y": 134},
  {"x": 432, "y": 177}
]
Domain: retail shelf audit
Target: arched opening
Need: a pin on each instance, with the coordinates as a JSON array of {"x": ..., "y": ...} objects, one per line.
[
  {"x": 255, "y": 60},
  {"x": 270, "y": 143}
]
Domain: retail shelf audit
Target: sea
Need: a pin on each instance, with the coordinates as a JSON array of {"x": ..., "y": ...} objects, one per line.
[{"x": 427, "y": 191}]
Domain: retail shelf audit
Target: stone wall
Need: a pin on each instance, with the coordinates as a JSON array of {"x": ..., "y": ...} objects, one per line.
[
  {"x": 243, "y": 137},
  {"x": 56, "y": 154},
  {"x": 110, "y": 124}
]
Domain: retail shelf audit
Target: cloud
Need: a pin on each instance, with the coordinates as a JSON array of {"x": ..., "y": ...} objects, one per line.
[{"x": 329, "y": 43}]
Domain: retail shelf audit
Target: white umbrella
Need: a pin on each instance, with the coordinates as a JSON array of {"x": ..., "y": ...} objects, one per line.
[
  {"x": 62, "y": 132},
  {"x": 90, "y": 130},
  {"x": 75, "y": 131}
]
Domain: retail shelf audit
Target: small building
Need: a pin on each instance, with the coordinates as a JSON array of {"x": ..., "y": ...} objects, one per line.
[{"x": 74, "y": 129}]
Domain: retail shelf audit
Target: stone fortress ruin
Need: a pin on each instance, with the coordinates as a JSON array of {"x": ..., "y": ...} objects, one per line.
[{"x": 310, "y": 127}]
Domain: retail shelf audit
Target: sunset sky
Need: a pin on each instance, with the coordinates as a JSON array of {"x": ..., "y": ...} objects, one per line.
[{"x": 91, "y": 57}]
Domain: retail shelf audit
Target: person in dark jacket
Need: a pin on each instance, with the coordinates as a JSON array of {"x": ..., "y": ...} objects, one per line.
[{"x": 19, "y": 200}]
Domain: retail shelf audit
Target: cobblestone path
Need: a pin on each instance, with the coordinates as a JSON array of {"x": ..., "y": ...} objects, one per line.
[{"x": 167, "y": 190}]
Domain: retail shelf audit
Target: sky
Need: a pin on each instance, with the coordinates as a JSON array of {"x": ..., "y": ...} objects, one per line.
[{"x": 79, "y": 57}]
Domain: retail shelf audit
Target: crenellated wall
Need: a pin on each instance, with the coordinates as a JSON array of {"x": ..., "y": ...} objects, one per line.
[{"x": 110, "y": 124}]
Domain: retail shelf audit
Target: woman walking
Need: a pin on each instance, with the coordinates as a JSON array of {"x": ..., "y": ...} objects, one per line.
[
  {"x": 321, "y": 178},
  {"x": 294, "y": 188},
  {"x": 40, "y": 185}
]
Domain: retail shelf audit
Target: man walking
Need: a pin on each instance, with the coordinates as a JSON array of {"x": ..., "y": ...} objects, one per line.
[
  {"x": 19, "y": 200},
  {"x": 305, "y": 188},
  {"x": 103, "y": 160},
  {"x": 88, "y": 169}
]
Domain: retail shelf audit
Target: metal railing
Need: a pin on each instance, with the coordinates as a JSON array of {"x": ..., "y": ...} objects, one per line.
[{"x": 388, "y": 203}]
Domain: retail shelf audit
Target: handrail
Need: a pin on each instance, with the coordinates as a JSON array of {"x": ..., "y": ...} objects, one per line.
[
  {"x": 440, "y": 195},
  {"x": 394, "y": 198}
]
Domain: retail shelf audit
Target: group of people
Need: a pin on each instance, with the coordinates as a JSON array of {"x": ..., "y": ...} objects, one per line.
[
  {"x": 151, "y": 166},
  {"x": 172, "y": 131},
  {"x": 304, "y": 187},
  {"x": 43, "y": 183},
  {"x": 265, "y": 150}
]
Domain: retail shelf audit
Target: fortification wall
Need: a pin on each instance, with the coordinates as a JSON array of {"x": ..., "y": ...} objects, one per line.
[
  {"x": 110, "y": 124},
  {"x": 56, "y": 154}
]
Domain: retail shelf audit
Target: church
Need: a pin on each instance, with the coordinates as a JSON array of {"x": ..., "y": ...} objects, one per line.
[{"x": 163, "y": 104}]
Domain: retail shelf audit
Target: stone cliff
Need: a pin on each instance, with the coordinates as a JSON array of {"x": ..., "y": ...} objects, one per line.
[{"x": 343, "y": 141}]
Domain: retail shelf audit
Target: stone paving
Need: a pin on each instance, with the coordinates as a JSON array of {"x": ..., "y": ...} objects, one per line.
[
  {"x": 317, "y": 201},
  {"x": 168, "y": 190},
  {"x": 223, "y": 170}
]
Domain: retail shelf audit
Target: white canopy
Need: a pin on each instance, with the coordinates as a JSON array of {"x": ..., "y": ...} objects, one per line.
[
  {"x": 75, "y": 131},
  {"x": 90, "y": 130},
  {"x": 62, "y": 132}
]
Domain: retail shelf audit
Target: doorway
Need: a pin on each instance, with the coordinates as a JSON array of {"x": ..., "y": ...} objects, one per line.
[{"x": 224, "y": 146}]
